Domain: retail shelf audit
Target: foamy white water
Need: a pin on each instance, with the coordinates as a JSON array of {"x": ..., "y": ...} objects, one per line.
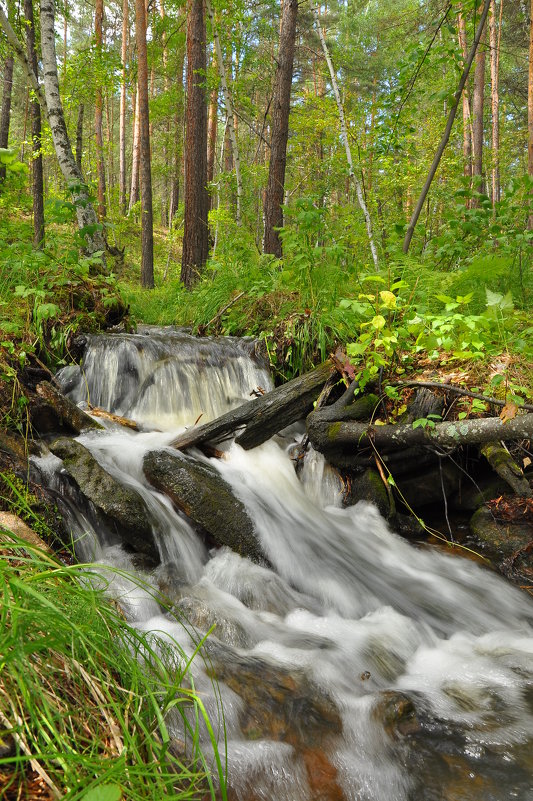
[{"x": 347, "y": 603}]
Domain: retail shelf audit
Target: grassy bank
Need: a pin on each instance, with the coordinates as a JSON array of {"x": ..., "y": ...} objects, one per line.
[{"x": 79, "y": 718}]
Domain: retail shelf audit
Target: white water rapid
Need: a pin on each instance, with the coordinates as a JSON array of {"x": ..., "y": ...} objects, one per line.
[{"x": 425, "y": 659}]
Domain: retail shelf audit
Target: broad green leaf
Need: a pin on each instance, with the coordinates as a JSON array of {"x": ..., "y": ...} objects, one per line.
[
  {"x": 378, "y": 322},
  {"x": 388, "y": 298},
  {"x": 104, "y": 792}
]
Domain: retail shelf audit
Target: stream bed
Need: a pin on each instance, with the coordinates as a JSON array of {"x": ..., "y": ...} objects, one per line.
[{"x": 349, "y": 664}]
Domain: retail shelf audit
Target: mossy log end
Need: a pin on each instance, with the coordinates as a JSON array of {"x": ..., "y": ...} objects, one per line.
[
  {"x": 262, "y": 417},
  {"x": 505, "y": 466},
  {"x": 341, "y": 439}
]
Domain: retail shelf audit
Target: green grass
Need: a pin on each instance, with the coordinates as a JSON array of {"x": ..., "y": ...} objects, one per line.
[{"x": 78, "y": 714}]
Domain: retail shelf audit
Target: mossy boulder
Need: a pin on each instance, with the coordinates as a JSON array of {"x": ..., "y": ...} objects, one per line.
[
  {"x": 122, "y": 507},
  {"x": 198, "y": 490},
  {"x": 369, "y": 486}
]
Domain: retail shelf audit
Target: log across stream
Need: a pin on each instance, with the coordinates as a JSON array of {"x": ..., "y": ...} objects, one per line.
[{"x": 349, "y": 664}]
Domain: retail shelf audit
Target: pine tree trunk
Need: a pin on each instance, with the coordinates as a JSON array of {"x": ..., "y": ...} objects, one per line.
[
  {"x": 5, "y": 119},
  {"x": 122, "y": 121},
  {"x": 273, "y": 212},
  {"x": 530, "y": 111},
  {"x": 467, "y": 116},
  {"x": 195, "y": 237},
  {"x": 494, "y": 50},
  {"x": 136, "y": 155},
  {"x": 98, "y": 112},
  {"x": 147, "y": 224},
  {"x": 478, "y": 108},
  {"x": 37, "y": 163},
  {"x": 87, "y": 219}
]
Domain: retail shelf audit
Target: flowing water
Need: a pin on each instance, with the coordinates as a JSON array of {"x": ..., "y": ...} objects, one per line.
[{"x": 425, "y": 659}]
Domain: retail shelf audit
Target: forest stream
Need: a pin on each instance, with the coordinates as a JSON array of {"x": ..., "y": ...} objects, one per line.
[{"x": 344, "y": 662}]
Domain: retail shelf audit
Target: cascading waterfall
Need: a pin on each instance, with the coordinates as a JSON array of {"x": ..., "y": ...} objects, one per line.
[{"x": 426, "y": 660}]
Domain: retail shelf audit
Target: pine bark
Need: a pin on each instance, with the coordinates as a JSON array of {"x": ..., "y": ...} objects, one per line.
[
  {"x": 467, "y": 116},
  {"x": 87, "y": 219},
  {"x": 145, "y": 169},
  {"x": 122, "y": 121},
  {"x": 136, "y": 153},
  {"x": 530, "y": 110},
  {"x": 272, "y": 211},
  {"x": 195, "y": 237},
  {"x": 5, "y": 118},
  {"x": 494, "y": 39},
  {"x": 37, "y": 158},
  {"x": 98, "y": 112}
]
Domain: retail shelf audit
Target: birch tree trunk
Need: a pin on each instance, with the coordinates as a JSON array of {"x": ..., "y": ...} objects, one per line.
[
  {"x": 230, "y": 109},
  {"x": 87, "y": 219},
  {"x": 5, "y": 118},
  {"x": 195, "y": 235},
  {"x": 145, "y": 171},
  {"x": 273, "y": 213},
  {"x": 37, "y": 157},
  {"x": 122, "y": 120},
  {"x": 344, "y": 134}
]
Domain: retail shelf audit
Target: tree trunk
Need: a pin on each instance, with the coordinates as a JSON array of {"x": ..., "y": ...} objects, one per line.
[
  {"x": 212, "y": 124},
  {"x": 5, "y": 119},
  {"x": 467, "y": 116},
  {"x": 230, "y": 109},
  {"x": 477, "y": 108},
  {"x": 122, "y": 121},
  {"x": 447, "y": 131},
  {"x": 165, "y": 210},
  {"x": 273, "y": 213},
  {"x": 98, "y": 111},
  {"x": 87, "y": 219},
  {"x": 37, "y": 163},
  {"x": 79, "y": 136},
  {"x": 136, "y": 154},
  {"x": 195, "y": 236},
  {"x": 530, "y": 111},
  {"x": 344, "y": 134},
  {"x": 494, "y": 38},
  {"x": 147, "y": 224}
]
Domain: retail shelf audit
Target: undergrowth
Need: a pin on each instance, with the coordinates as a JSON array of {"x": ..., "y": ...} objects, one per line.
[{"x": 84, "y": 696}]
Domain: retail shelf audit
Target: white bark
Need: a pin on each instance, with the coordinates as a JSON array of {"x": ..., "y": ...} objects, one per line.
[
  {"x": 228, "y": 100},
  {"x": 86, "y": 214},
  {"x": 344, "y": 134}
]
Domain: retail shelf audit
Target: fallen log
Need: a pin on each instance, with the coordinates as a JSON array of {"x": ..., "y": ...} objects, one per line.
[
  {"x": 341, "y": 439},
  {"x": 66, "y": 411},
  {"x": 262, "y": 417}
]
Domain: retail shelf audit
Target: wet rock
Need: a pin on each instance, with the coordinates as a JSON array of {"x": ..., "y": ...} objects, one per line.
[
  {"x": 396, "y": 711},
  {"x": 322, "y": 776},
  {"x": 56, "y": 412},
  {"x": 429, "y": 487},
  {"x": 279, "y": 704},
  {"x": 369, "y": 486},
  {"x": 500, "y": 539},
  {"x": 123, "y": 509},
  {"x": 472, "y": 495},
  {"x": 199, "y": 615},
  {"x": 199, "y": 490}
]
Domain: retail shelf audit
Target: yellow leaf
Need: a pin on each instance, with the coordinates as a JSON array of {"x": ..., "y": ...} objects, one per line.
[
  {"x": 388, "y": 298},
  {"x": 509, "y": 411}
]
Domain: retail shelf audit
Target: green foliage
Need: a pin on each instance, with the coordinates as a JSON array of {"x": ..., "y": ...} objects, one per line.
[{"x": 85, "y": 696}]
